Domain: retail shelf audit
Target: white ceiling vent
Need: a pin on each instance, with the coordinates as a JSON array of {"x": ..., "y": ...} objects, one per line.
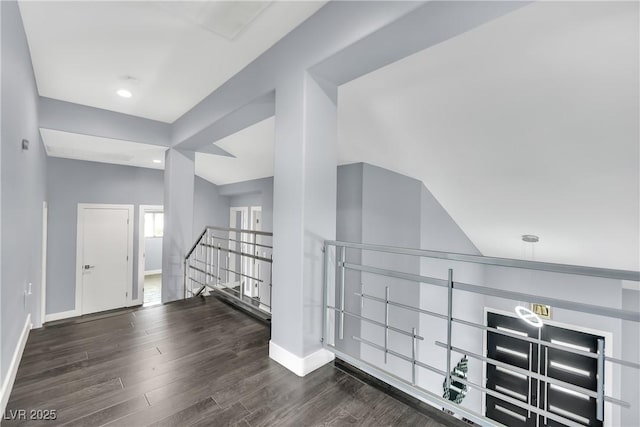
[{"x": 224, "y": 18}]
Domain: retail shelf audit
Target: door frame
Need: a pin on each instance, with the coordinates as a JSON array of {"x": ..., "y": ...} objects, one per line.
[
  {"x": 608, "y": 351},
  {"x": 141, "y": 247},
  {"x": 79, "y": 310}
]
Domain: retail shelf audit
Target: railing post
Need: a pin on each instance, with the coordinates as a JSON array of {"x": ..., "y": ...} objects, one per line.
[
  {"x": 413, "y": 356},
  {"x": 600, "y": 381},
  {"x": 343, "y": 252},
  {"x": 184, "y": 278},
  {"x": 218, "y": 265},
  {"x": 386, "y": 323},
  {"x": 325, "y": 285},
  {"x": 449, "y": 325}
]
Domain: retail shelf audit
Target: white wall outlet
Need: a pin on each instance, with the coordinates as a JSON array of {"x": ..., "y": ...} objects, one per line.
[{"x": 29, "y": 288}]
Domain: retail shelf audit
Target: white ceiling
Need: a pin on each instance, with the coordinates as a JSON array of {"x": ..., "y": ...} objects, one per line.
[
  {"x": 253, "y": 151},
  {"x": 178, "y": 52},
  {"x": 526, "y": 125},
  {"x": 105, "y": 150}
]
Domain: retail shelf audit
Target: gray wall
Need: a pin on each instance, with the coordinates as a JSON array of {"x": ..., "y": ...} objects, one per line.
[
  {"x": 23, "y": 186},
  {"x": 152, "y": 253},
  {"x": 210, "y": 207},
  {"x": 390, "y": 216},
  {"x": 257, "y": 192},
  {"x": 377, "y": 206},
  {"x": 71, "y": 182},
  {"x": 382, "y": 207}
]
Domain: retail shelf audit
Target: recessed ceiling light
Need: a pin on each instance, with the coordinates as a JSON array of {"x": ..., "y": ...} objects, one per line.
[
  {"x": 124, "y": 93},
  {"x": 157, "y": 161}
]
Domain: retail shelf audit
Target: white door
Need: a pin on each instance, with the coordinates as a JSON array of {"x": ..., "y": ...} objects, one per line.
[
  {"x": 104, "y": 261},
  {"x": 238, "y": 264}
]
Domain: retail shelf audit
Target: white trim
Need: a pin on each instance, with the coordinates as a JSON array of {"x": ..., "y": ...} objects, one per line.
[
  {"x": 7, "y": 384},
  {"x": 608, "y": 351},
  {"x": 141, "y": 247},
  {"x": 61, "y": 315},
  {"x": 300, "y": 366},
  {"x": 631, "y": 286},
  {"x": 43, "y": 290},
  {"x": 150, "y": 272},
  {"x": 79, "y": 250}
]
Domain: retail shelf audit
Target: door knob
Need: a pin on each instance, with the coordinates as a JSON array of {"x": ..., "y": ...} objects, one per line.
[{"x": 88, "y": 267}]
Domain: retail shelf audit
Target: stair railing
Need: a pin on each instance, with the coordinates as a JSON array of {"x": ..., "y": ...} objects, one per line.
[{"x": 235, "y": 263}]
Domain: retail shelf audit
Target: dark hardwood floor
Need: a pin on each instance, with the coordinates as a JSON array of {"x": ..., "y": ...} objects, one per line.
[{"x": 194, "y": 362}]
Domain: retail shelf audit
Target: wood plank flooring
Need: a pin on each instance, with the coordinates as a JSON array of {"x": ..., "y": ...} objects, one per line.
[{"x": 197, "y": 362}]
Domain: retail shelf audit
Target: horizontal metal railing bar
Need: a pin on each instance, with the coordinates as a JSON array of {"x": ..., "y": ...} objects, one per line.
[
  {"x": 242, "y": 274},
  {"x": 517, "y": 296},
  {"x": 557, "y": 303},
  {"x": 382, "y": 325},
  {"x": 239, "y": 230},
  {"x": 622, "y": 362},
  {"x": 239, "y": 241},
  {"x": 259, "y": 258},
  {"x": 518, "y": 370},
  {"x": 528, "y": 339},
  {"x": 548, "y": 344},
  {"x": 521, "y": 404},
  {"x": 223, "y": 286},
  {"x": 399, "y": 355},
  {"x": 212, "y": 286},
  {"x": 505, "y": 333},
  {"x": 396, "y": 274},
  {"x": 500, "y": 262},
  {"x": 405, "y": 306},
  {"x": 201, "y": 271},
  {"x": 540, "y": 377},
  {"x": 411, "y": 389}
]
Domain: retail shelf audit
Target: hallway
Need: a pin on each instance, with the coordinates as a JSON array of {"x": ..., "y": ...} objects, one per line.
[{"x": 192, "y": 362}]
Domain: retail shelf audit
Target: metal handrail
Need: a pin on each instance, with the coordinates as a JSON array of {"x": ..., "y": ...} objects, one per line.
[
  {"x": 240, "y": 230},
  {"x": 206, "y": 253},
  {"x": 605, "y": 273},
  {"x": 339, "y": 286}
]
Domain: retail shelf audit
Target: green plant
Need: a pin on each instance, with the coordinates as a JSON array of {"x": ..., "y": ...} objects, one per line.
[{"x": 457, "y": 391}]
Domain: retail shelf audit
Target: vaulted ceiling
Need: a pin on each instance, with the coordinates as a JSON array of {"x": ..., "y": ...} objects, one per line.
[{"x": 525, "y": 125}]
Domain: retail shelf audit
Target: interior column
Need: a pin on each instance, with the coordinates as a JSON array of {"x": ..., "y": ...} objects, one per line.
[
  {"x": 304, "y": 215},
  {"x": 179, "y": 181}
]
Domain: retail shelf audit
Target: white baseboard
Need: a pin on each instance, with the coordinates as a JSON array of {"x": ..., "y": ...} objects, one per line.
[
  {"x": 61, "y": 315},
  {"x": 7, "y": 384},
  {"x": 300, "y": 366},
  {"x": 150, "y": 272}
]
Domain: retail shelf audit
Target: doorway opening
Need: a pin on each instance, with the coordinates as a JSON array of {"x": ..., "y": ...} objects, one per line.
[
  {"x": 150, "y": 254},
  {"x": 244, "y": 269}
]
